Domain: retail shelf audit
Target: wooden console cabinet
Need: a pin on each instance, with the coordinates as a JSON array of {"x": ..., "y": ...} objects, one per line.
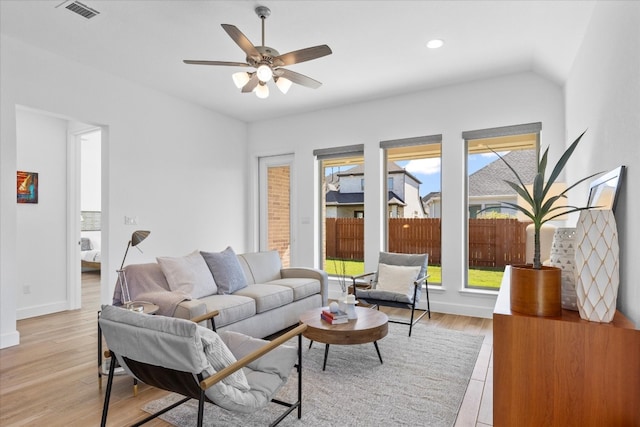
[{"x": 563, "y": 371}]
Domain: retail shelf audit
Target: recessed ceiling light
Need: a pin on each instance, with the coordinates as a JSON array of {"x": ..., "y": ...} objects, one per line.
[{"x": 435, "y": 43}]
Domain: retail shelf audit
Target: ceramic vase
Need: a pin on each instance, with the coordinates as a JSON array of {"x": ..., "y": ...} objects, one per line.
[
  {"x": 597, "y": 265},
  {"x": 563, "y": 256}
]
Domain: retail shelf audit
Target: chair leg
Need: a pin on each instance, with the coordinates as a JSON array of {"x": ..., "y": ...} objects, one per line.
[
  {"x": 201, "y": 408},
  {"x": 428, "y": 306},
  {"x": 413, "y": 308},
  {"x": 300, "y": 375},
  {"x": 107, "y": 394}
]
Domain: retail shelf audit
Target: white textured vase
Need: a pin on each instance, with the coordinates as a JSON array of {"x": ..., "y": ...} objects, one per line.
[
  {"x": 597, "y": 265},
  {"x": 563, "y": 256}
]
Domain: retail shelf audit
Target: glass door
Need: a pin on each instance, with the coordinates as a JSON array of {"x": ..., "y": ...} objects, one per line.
[{"x": 275, "y": 205}]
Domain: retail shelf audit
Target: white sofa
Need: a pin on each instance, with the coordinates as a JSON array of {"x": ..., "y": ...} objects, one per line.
[{"x": 272, "y": 298}]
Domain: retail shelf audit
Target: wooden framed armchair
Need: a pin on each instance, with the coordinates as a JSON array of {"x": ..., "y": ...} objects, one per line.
[
  {"x": 397, "y": 283},
  {"x": 231, "y": 370}
]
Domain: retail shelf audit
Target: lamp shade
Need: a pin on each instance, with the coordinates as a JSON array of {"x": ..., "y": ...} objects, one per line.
[
  {"x": 283, "y": 84},
  {"x": 138, "y": 236},
  {"x": 240, "y": 79},
  {"x": 262, "y": 91}
]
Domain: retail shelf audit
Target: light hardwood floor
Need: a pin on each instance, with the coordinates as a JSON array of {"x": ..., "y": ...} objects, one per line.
[{"x": 51, "y": 377}]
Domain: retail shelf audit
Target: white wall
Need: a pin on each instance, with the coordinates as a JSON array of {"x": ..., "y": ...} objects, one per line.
[
  {"x": 90, "y": 172},
  {"x": 179, "y": 168},
  {"x": 603, "y": 96},
  {"x": 41, "y": 241},
  {"x": 509, "y": 100}
]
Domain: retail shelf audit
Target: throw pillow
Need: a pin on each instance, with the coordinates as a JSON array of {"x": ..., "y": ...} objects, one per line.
[
  {"x": 219, "y": 357},
  {"x": 85, "y": 244},
  {"x": 226, "y": 270},
  {"x": 397, "y": 278},
  {"x": 188, "y": 274}
]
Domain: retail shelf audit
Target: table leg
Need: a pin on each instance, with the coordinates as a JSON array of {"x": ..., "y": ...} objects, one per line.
[
  {"x": 378, "y": 350},
  {"x": 326, "y": 352}
]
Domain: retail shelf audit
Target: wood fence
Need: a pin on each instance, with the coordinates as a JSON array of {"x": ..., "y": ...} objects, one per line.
[{"x": 493, "y": 243}]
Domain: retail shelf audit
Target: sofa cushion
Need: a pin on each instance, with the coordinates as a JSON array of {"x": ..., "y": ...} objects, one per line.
[
  {"x": 232, "y": 308},
  {"x": 261, "y": 267},
  {"x": 267, "y": 296},
  {"x": 189, "y": 274},
  {"x": 226, "y": 269},
  {"x": 302, "y": 287}
]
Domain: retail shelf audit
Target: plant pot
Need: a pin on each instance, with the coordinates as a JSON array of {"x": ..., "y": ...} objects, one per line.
[{"x": 536, "y": 292}]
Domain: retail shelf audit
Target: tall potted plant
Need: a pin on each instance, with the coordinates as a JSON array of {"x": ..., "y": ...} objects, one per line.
[{"x": 536, "y": 289}]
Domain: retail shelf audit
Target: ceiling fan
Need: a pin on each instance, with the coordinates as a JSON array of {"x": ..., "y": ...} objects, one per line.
[{"x": 267, "y": 62}]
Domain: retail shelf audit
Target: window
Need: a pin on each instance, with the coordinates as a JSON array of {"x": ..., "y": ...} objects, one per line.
[
  {"x": 496, "y": 233},
  {"x": 342, "y": 209},
  {"x": 413, "y": 198}
]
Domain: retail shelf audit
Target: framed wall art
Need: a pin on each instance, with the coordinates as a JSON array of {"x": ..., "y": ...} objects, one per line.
[{"x": 27, "y": 185}]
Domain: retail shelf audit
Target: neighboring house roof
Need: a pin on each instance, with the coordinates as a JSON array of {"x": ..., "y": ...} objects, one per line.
[
  {"x": 430, "y": 196},
  {"x": 489, "y": 181},
  {"x": 392, "y": 167},
  {"x": 338, "y": 198}
]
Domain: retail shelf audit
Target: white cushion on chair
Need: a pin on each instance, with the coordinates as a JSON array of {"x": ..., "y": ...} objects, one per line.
[
  {"x": 219, "y": 356},
  {"x": 397, "y": 278}
]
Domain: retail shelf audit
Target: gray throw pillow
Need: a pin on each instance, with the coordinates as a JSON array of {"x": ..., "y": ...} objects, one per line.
[
  {"x": 85, "y": 244},
  {"x": 226, "y": 270}
]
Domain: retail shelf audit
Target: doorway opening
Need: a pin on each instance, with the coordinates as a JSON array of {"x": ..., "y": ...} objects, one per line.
[{"x": 90, "y": 145}]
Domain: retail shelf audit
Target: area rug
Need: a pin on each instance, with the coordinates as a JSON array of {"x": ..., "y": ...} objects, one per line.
[{"x": 422, "y": 382}]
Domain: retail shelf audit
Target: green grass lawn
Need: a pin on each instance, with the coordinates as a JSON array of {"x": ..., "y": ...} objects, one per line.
[{"x": 488, "y": 279}]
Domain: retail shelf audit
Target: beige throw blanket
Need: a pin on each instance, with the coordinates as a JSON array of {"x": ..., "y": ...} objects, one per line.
[{"x": 147, "y": 282}]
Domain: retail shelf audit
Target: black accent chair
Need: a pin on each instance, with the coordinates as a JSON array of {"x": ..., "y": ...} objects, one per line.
[
  {"x": 180, "y": 356},
  {"x": 397, "y": 283}
]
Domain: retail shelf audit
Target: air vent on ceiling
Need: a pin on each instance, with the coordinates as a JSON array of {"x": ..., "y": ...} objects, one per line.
[{"x": 80, "y": 8}]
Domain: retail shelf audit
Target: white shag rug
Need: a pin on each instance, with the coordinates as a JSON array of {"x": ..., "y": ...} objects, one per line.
[{"x": 421, "y": 383}]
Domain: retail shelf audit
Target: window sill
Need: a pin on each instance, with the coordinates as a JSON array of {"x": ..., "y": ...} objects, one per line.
[{"x": 478, "y": 292}]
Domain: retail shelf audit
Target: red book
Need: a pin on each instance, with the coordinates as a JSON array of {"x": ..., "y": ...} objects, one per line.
[
  {"x": 333, "y": 321},
  {"x": 335, "y": 315}
]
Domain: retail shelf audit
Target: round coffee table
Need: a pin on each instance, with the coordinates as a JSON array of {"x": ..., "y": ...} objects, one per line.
[{"x": 370, "y": 326}]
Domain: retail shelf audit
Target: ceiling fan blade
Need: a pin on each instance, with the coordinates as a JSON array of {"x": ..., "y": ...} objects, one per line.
[
  {"x": 298, "y": 78},
  {"x": 231, "y": 64},
  {"x": 302, "y": 55},
  {"x": 242, "y": 41},
  {"x": 251, "y": 84}
]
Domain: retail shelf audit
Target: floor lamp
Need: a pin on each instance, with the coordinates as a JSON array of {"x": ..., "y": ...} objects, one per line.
[{"x": 136, "y": 238}]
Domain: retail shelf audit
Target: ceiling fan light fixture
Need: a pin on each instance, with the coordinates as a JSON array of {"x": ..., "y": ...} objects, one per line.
[
  {"x": 283, "y": 84},
  {"x": 240, "y": 79},
  {"x": 262, "y": 91},
  {"x": 265, "y": 73}
]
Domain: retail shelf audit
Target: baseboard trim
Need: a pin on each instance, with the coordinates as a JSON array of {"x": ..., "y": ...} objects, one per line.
[
  {"x": 9, "y": 339},
  {"x": 41, "y": 310}
]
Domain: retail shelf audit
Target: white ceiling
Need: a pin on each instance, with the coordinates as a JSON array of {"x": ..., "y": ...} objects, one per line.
[{"x": 379, "y": 47}]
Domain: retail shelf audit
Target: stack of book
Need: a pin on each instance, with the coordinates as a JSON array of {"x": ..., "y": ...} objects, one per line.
[{"x": 334, "y": 317}]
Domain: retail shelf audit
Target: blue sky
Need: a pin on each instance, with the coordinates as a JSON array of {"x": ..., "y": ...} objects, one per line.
[{"x": 428, "y": 170}]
